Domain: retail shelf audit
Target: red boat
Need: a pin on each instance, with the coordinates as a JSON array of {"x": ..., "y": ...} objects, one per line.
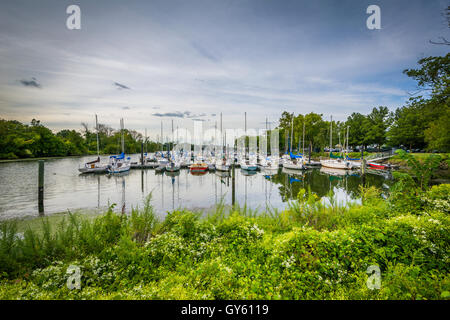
[
  {"x": 378, "y": 166},
  {"x": 198, "y": 167}
]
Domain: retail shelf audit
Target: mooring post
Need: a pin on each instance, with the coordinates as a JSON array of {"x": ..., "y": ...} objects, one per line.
[
  {"x": 363, "y": 167},
  {"x": 310, "y": 151},
  {"x": 232, "y": 184},
  {"x": 41, "y": 187}
]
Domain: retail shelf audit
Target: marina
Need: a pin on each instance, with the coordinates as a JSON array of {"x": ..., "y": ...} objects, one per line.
[{"x": 67, "y": 189}]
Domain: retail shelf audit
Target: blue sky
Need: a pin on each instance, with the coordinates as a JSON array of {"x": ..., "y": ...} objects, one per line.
[{"x": 148, "y": 61}]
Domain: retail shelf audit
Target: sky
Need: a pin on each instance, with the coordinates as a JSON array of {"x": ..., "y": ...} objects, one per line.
[{"x": 184, "y": 60}]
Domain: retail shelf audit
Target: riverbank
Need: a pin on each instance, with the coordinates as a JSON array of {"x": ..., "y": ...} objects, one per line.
[
  {"x": 442, "y": 173},
  {"x": 308, "y": 251}
]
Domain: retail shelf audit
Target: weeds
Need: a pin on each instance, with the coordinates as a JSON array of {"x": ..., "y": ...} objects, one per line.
[{"x": 315, "y": 249}]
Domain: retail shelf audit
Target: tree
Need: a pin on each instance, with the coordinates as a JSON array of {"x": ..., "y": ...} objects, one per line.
[
  {"x": 376, "y": 124},
  {"x": 437, "y": 135},
  {"x": 408, "y": 126},
  {"x": 434, "y": 76},
  {"x": 357, "y": 130}
]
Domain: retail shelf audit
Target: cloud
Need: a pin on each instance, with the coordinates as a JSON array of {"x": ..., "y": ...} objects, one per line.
[
  {"x": 126, "y": 108},
  {"x": 178, "y": 114},
  {"x": 203, "y": 52},
  {"x": 121, "y": 86},
  {"x": 31, "y": 83}
]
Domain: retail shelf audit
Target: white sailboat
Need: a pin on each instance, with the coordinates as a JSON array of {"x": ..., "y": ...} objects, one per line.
[
  {"x": 174, "y": 164},
  {"x": 119, "y": 164},
  {"x": 250, "y": 164},
  {"x": 222, "y": 162},
  {"x": 335, "y": 163},
  {"x": 294, "y": 162},
  {"x": 269, "y": 164},
  {"x": 94, "y": 166}
]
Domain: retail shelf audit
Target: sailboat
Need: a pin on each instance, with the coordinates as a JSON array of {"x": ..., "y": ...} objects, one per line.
[
  {"x": 309, "y": 164},
  {"x": 174, "y": 164},
  {"x": 268, "y": 164},
  {"x": 295, "y": 162},
  {"x": 251, "y": 163},
  {"x": 94, "y": 166},
  {"x": 222, "y": 161},
  {"x": 118, "y": 164},
  {"x": 199, "y": 167},
  {"x": 335, "y": 162}
]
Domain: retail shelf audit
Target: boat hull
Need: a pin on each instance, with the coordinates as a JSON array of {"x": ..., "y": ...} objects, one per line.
[
  {"x": 121, "y": 169},
  {"x": 221, "y": 167},
  {"x": 94, "y": 170},
  {"x": 249, "y": 167},
  {"x": 333, "y": 164}
]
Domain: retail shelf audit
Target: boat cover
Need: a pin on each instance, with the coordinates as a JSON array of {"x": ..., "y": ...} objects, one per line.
[
  {"x": 296, "y": 156},
  {"x": 121, "y": 156},
  {"x": 332, "y": 156}
]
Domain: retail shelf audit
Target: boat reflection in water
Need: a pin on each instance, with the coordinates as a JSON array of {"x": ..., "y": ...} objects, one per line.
[{"x": 66, "y": 189}]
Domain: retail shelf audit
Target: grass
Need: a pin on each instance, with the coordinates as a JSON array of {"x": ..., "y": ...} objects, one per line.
[{"x": 312, "y": 250}]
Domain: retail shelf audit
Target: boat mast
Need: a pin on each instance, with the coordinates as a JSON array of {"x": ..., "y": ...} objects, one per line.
[
  {"x": 221, "y": 132},
  {"x": 145, "y": 140},
  {"x": 331, "y": 133},
  {"x": 292, "y": 132},
  {"x": 267, "y": 141},
  {"x": 162, "y": 139},
  {"x": 303, "y": 138},
  {"x": 96, "y": 128},
  {"x": 346, "y": 149},
  {"x": 121, "y": 129},
  {"x": 245, "y": 141}
]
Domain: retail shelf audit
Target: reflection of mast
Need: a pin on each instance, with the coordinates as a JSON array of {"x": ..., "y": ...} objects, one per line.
[
  {"x": 178, "y": 189},
  {"x": 215, "y": 189},
  {"x": 265, "y": 189},
  {"x": 173, "y": 193},
  {"x": 123, "y": 194},
  {"x": 246, "y": 190},
  {"x": 162, "y": 191},
  {"x": 98, "y": 191}
]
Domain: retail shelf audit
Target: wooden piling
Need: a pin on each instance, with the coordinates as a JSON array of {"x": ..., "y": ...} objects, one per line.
[
  {"x": 41, "y": 187},
  {"x": 142, "y": 154},
  {"x": 233, "y": 178},
  {"x": 363, "y": 167}
]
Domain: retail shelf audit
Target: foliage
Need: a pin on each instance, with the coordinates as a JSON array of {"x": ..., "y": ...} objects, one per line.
[
  {"x": 422, "y": 171},
  {"x": 18, "y": 140},
  {"x": 315, "y": 249}
]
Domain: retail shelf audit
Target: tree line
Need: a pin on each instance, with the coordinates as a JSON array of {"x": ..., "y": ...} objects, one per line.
[
  {"x": 19, "y": 140},
  {"x": 422, "y": 123}
]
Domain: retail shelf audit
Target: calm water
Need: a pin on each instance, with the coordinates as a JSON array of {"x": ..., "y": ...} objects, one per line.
[{"x": 66, "y": 189}]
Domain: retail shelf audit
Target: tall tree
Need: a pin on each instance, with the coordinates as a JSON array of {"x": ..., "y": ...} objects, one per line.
[{"x": 376, "y": 124}]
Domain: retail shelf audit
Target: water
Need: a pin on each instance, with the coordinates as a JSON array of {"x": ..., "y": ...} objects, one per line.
[{"x": 65, "y": 189}]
